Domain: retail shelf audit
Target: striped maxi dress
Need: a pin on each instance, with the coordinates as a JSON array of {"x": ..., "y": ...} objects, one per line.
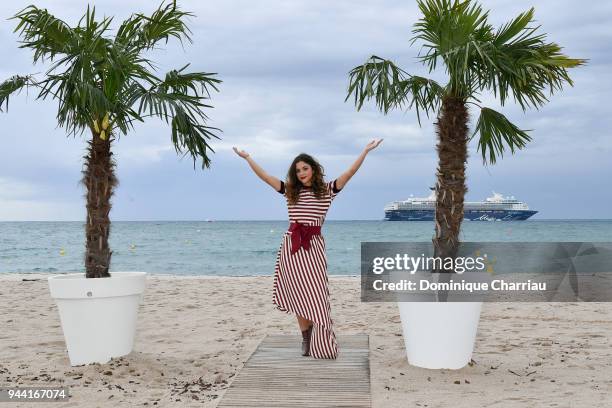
[{"x": 301, "y": 284}]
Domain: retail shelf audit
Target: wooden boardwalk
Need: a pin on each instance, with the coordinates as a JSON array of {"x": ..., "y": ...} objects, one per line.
[{"x": 276, "y": 375}]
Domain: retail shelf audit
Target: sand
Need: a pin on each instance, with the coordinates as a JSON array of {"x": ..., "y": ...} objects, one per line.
[{"x": 195, "y": 333}]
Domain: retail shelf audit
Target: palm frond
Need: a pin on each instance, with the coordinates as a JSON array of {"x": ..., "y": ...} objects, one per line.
[
  {"x": 179, "y": 100},
  {"x": 13, "y": 85},
  {"x": 446, "y": 30},
  {"x": 513, "y": 28},
  {"x": 377, "y": 78},
  {"x": 517, "y": 62},
  {"x": 527, "y": 72},
  {"x": 143, "y": 32},
  {"x": 424, "y": 94},
  {"x": 496, "y": 132},
  {"x": 392, "y": 87},
  {"x": 196, "y": 82},
  {"x": 190, "y": 136},
  {"x": 46, "y": 34}
]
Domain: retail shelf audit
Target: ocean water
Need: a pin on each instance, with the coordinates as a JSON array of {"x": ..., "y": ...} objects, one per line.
[{"x": 245, "y": 247}]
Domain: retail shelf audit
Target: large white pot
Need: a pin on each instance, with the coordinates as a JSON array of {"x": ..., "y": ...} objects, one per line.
[
  {"x": 439, "y": 334},
  {"x": 98, "y": 315}
]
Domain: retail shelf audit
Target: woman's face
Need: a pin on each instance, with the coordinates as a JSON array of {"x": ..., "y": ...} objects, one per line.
[{"x": 304, "y": 172}]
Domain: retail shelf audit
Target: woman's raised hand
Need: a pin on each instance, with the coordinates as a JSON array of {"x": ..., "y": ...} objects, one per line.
[
  {"x": 241, "y": 153},
  {"x": 373, "y": 144}
]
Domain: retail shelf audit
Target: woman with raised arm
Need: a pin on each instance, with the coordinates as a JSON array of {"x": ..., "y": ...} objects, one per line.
[{"x": 300, "y": 274}]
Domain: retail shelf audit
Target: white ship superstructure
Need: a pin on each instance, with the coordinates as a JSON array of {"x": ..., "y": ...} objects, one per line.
[{"x": 496, "y": 207}]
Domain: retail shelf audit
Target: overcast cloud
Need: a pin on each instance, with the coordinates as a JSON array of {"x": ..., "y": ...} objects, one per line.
[{"x": 284, "y": 68}]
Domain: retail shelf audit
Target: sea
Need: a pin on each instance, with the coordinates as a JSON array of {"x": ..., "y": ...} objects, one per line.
[{"x": 246, "y": 248}]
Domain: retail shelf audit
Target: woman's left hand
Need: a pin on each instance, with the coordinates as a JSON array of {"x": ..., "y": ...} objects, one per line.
[{"x": 373, "y": 145}]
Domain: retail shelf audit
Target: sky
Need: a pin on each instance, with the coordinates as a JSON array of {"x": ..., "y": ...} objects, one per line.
[{"x": 284, "y": 66}]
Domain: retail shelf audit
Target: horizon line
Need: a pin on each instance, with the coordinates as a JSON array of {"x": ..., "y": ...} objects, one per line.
[{"x": 285, "y": 220}]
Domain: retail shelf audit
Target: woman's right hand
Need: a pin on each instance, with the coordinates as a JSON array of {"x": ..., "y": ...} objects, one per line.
[{"x": 241, "y": 153}]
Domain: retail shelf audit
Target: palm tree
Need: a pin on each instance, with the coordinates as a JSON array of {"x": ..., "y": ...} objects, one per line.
[
  {"x": 105, "y": 84},
  {"x": 513, "y": 60}
]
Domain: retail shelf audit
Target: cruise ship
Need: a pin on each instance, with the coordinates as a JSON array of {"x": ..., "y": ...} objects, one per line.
[{"x": 494, "y": 208}]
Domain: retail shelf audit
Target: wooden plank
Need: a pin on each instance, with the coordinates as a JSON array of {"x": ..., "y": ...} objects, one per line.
[{"x": 276, "y": 375}]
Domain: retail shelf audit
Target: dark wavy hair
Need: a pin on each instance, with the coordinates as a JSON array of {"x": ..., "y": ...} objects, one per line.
[{"x": 293, "y": 185}]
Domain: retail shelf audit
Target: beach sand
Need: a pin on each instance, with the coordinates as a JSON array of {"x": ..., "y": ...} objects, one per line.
[{"x": 195, "y": 333}]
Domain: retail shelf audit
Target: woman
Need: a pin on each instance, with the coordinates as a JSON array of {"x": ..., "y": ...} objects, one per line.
[{"x": 300, "y": 273}]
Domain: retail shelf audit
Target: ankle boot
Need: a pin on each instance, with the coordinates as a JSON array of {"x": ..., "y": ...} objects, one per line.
[{"x": 306, "y": 341}]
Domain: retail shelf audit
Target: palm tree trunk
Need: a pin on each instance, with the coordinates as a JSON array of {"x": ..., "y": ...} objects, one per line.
[
  {"x": 100, "y": 181},
  {"x": 452, "y": 131}
]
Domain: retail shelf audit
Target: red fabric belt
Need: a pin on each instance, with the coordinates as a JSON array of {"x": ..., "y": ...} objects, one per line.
[{"x": 301, "y": 234}]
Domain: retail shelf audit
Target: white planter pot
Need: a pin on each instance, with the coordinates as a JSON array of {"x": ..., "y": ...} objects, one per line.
[
  {"x": 98, "y": 315},
  {"x": 439, "y": 334}
]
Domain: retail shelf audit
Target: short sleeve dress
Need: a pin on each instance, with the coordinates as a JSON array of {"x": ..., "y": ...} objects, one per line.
[{"x": 301, "y": 284}]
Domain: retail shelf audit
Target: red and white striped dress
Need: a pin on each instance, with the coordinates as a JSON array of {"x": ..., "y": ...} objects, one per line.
[{"x": 300, "y": 279}]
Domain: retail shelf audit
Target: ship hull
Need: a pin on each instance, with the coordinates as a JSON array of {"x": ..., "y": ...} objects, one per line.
[{"x": 469, "y": 215}]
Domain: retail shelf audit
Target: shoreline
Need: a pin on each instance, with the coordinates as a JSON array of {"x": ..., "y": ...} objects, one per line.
[{"x": 10, "y": 276}]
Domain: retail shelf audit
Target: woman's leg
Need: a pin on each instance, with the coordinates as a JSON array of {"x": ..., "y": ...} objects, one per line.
[
  {"x": 304, "y": 323},
  {"x": 306, "y": 328}
]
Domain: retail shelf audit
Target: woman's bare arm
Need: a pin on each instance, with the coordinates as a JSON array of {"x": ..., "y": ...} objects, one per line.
[
  {"x": 274, "y": 182},
  {"x": 346, "y": 176}
]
